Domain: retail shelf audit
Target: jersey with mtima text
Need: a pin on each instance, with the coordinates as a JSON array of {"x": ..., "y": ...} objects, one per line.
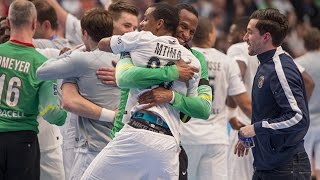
[{"x": 148, "y": 50}]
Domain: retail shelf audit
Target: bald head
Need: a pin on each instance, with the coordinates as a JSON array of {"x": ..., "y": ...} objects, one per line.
[{"x": 21, "y": 13}]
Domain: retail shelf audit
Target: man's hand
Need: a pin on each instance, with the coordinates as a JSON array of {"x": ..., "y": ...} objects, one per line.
[
  {"x": 63, "y": 50},
  {"x": 240, "y": 150},
  {"x": 247, "y": 131},
  {"x": 186, "y": 72},
  {"x": 155, "y": 96},
  {"x": 107, "y": 76}
]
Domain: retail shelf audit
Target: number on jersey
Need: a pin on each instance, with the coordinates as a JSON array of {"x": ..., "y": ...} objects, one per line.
[{"x": 13, "y": 92}]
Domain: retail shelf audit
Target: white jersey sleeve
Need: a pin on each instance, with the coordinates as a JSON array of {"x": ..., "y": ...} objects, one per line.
[
  {"x": 129, "y": 41},
  {"x": 49, "y": 52},
  {"x": 64, "y": 66},
  {"x": 73, "y": 29},
  {"x": 236, "y": 85},
  {"x": 235, "y": 52},
  {"x": 301, "y": 68}
]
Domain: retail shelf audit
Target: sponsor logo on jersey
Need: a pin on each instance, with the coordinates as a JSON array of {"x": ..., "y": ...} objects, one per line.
[
  {"x": 11, "y": 113},
  {"x": 119, "y": 40},
  {"x": 172, "y": 42},
  {"x": 260, "y": 81}
]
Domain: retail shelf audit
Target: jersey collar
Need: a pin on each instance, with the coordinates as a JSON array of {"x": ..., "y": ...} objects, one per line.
[
  {"x": 22, "y": 43},
  {"x": 266, "y": 56}
]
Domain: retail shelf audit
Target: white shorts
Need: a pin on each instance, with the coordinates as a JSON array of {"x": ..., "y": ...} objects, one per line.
[
  {"x": 312, "y": 145},
  {"x": 51, "y": 164},
  {"x": 207, "y": 161},
  {"x": 82, "y": 160},
  {"x": 136, "y": 154},
  {"x": 239, "y": 167}
]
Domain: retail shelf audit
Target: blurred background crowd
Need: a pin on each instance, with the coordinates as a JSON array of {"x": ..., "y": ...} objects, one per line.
[{"x": 301, "y": 14}]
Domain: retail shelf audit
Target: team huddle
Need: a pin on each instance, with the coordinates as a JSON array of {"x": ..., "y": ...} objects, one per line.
[{"x": 141, "y": 104}]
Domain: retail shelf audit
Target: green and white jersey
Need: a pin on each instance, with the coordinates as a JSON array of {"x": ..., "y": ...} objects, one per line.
[{"x": 23, "y": 97}]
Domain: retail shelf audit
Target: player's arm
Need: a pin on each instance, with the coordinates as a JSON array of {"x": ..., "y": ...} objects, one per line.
[
  {"x": 244, "y": 102},
  {"x": 236, "y": 54},
  {"x": 196, "y": 106},
  {"x": 73, "y": 102},
  {"x": 308, "y": 84},
  {"x": 243, "y": 67},
  {"x": 190, "y": 106},
  {"x": 231, "y": 112},
  {"x": 126, "y": 73},
  {"x": 49, "y": 103},
  {"x": 205, "y": 94},
  {"x": 65, "y": 66},
  {"x": 61, "y": 14},
  {"x": 290, "y": 99}
]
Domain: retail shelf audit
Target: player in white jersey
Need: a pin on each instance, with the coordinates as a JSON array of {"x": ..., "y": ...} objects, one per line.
[
  {"x": 125, "y": 19},
  {"x": 146, "y": 154},
  {"x": 206, "y": 142},
  {"x": 94, "y": 131},
  {"x": 238, "y": 51},
  {"x": 46, "y": 35},
  {"x": 310, "y": 62}
]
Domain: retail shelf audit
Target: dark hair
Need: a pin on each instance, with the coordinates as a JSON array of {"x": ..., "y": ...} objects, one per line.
[
  {"x": 46, "y": 12},
  {"x": 205, "y": 27},
  {"x": 187, "y": 7},
  {"x": 241, "y": 24},
  {"x": 312, "y": 39},
  {"x": 3, "y": 27},
  {"x": 168, "y": 13},
  {"x": 98, "y": 24},
  {"x": 272, "y": 21},
  {"x": 116, "y": 8}
]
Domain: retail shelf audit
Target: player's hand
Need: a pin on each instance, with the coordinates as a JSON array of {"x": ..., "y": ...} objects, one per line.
[
  {"x": 155, "y": 96},
  {"x": 240, "y": 150},
  {"x": 107, "y": 75},
  {"x": 63, "y": 50},
  {"x": 186, "y": 71},
  {"x": 247, "y": 131}
]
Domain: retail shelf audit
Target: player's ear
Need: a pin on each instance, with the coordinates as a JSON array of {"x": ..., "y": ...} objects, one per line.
[
  {"x": 267, "y": 36},
  {"x": 84, "y": 33},
  {"x": 47, "y": 24},
  {"x": 160, "y": 23},
  {"x": 34, "y": 24}
]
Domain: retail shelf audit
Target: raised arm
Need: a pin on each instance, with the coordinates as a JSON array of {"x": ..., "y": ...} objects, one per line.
[
  {"x": 308, "y": 84},
  {"x": 61, "y": 14}
]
